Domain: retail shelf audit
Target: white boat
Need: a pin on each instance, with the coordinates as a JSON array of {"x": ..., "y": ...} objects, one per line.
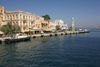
[{"x": 17, "y": 38}]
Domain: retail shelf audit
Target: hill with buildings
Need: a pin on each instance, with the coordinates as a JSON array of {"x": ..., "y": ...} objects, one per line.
[{"x": 98, "y": 26}]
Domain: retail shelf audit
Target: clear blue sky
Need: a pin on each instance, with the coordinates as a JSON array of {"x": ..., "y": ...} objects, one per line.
[{"x": 85, "y": 12}]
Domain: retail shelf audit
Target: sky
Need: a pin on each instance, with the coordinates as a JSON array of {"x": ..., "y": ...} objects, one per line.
[{"x": 86, "y": 13}]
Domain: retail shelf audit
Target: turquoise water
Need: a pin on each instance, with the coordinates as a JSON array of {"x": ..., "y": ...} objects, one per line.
[{"x": 77, "y": 50}]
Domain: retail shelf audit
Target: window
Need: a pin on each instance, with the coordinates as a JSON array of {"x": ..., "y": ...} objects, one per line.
[
  {"x": 16, "y": 17},
  {"x": 13, "y": 17},
  {"x": 13, "y": 23},
  {"x": 1, "y": 12},
  {"x": 7, "y": 17},
  {"x": 16, "y": 22}
]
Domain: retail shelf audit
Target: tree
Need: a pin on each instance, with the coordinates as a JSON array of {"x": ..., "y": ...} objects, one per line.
[
  {"x": 46, "y": 17},
  {"x": 9, "y": 28},
  {"x": 5, "y": 29},
  {"x": 16, "y": 28},
  {"x": 70, "y": 28},
  {"x": 58, "y": 28}
]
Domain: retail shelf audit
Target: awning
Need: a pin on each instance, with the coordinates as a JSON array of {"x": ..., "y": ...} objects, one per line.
[
  {"x": 44, "y": 22},
  {"x": 1, "y": 32}
]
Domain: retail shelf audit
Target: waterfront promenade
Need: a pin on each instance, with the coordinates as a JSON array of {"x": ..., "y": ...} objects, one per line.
[{"x": 51, "y": 34}]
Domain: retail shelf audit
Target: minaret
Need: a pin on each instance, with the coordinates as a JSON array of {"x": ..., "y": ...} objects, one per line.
[{"x": 73, "y": 27}]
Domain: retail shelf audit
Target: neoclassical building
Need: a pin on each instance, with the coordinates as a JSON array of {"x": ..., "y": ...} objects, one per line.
[
  {"x": 24, "y": 19},
  {"x": 1, "y": 14},
  {"x": 28, "y": 22}
]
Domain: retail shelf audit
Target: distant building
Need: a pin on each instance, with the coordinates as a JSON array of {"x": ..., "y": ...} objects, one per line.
[
  {"x": 73, "y": 27},
  {"x": 59, "y": 22},
  {"x": 52, "y": 26},
  {"x": 64, "y": 27}
]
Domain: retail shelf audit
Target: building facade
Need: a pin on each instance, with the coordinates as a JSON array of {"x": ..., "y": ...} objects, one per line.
[
  {"x": 24, "y": 19},
  {"x": 1, "y": 13},
  {"x": 29, "y": 22},
  {"x": 59, "y": 22}
]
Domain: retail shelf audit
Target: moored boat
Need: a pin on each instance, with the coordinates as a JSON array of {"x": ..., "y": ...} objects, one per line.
[{"x": 17, "y": 38}]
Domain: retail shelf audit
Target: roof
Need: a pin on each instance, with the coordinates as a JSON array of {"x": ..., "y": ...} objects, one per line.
[{"x": 19, "y": 11}]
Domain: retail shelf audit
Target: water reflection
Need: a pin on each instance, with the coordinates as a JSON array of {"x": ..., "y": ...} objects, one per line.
[
  {"x": 72, "y": 35},
  {"x": 85, "y": 34}
]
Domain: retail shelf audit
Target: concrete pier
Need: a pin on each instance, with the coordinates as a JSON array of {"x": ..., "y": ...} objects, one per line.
[{"x": 51, "y": 34}]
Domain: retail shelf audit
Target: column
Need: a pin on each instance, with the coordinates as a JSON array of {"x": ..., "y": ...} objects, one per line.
[
  {"x": 28, "y": 21},
  {"x": 22, "y": 23},
  {"x": 3, "y": 14},
  {"x": 14, "y": 17},
  {"x": 30, "y": 24},
  {"x": 9, "y": 17},
  {"x": 19, "y": 19},
  {"x": 22, "y": 26}
]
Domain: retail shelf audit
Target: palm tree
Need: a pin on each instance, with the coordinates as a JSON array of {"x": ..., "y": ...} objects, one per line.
[{"x": 46, "y": 17}]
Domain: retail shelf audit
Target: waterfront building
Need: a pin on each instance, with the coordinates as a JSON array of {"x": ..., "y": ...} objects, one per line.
[
  {"x": 73, "y": 27},
  {"x": 37, "y": 26},
  {"x": 52, "y": 26},
  {"x": 44, "y": 24},
  {"x": 59, "y": 22},
  {"x": 2, "y": 16},
  {"x": 65, "y": 27},
  {"x": 29, "y": 22},
  {"x": 24, "y": 19}
]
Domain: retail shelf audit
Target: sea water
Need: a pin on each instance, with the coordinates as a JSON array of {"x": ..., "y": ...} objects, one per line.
[{"x": 76, "y": 50}]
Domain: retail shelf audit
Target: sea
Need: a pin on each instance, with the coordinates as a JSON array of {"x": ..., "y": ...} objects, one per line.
[{"x": 75, "y": 50}]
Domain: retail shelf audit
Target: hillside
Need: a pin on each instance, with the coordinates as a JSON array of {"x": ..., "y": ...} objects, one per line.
[{"x": 98, "y": 27}]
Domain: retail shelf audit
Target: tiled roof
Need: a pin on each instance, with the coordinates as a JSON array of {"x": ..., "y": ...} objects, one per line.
[{"x": 19, "y": 11}]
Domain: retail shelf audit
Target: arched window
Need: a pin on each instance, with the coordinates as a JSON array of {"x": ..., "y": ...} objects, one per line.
[
  {"x": 13, "y": 17},
  {"x": 16, "y": 17},
  {"x": 7, "y": 17}
]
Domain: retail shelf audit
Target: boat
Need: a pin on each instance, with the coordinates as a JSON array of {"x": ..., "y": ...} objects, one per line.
[{"x": 17, "y": 38}]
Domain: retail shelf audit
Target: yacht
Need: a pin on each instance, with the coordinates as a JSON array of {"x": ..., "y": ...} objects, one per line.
[{"x": 17, "y": 38}]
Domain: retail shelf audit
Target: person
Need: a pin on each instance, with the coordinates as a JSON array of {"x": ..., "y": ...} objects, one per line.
[
  {"x": 3, "y": 35},
  {"x": 7, "y": 35}
]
